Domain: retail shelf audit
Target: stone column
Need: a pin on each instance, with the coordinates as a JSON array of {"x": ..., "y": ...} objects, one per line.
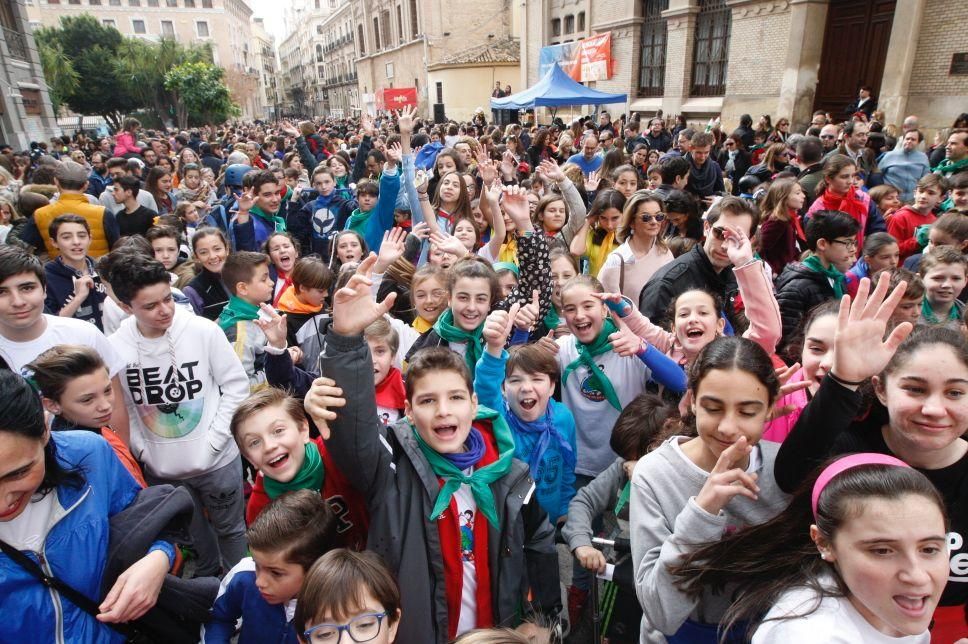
[
  {"x": 681, "y": 20},
  {"x": 808, "y": 20},
  {"x": 901, "y": 50}
]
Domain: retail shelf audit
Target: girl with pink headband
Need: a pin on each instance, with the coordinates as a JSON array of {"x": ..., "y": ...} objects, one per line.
[
  {"x": 859, "y": 555},
  {"x": 919, "y": 414}
]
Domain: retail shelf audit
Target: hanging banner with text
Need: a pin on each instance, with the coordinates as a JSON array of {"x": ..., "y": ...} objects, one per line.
[
  {"x": 396, "y": 98},
  {"x": 589, "y": 59}
]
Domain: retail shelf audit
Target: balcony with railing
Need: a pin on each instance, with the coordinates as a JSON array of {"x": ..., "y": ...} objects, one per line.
[{"x": 16, "y": 44}]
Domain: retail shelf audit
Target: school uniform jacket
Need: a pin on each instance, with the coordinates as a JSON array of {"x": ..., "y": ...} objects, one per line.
[{"x": 400, "y": 489}]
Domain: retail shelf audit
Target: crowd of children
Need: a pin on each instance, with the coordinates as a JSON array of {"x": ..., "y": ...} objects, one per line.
[{"x": 371, "y": 381}]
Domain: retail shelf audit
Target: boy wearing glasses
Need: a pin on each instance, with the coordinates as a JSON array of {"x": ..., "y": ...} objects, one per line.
[{"x": 832, "y": 236}]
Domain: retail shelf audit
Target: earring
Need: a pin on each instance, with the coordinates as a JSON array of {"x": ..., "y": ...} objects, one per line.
[{"x": 823, "y": 555}]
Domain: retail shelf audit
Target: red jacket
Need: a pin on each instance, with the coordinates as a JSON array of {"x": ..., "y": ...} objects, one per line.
[
  {"x": 353, "y": 523},
  {"x": 902, "y": 226}
]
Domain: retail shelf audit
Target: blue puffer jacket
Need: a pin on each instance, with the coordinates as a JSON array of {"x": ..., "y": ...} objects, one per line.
[{"x": 75, "y": 550}]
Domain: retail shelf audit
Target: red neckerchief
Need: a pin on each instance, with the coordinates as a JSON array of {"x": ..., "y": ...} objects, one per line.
[
  {"x": 286, "y": 283},
  {"x": 446, "y": 215},
  {"x": 448, "y": 527},
  {"x": 853, "y": 204},
  {"x": 390, "y": 393},
  {"x": 797, "y": 227}
]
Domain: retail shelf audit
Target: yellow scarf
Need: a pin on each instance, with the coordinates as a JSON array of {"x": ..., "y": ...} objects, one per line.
[
  {"x": 421, "y": 325},
  {"x": 509, "y": 251},
  {"x": 597, "y": 254}
]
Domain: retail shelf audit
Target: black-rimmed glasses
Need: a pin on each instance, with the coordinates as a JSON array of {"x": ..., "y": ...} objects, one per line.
[
  {"x": 361, "y": 628},
  {"x": 646, "y": 218}
]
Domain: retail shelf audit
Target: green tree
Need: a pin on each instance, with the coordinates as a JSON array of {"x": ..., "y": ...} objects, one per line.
[
  {"x": 141, "y": 67},
  {"x": 62, "y": 79},
  {"x": 201, "y": 96},
  {"x": 90, "y": 48}
]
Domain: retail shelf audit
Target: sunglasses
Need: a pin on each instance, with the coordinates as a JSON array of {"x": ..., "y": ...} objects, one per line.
[
  {"x": 718, "y": 233},
  {"x": 827, "y": 136},
  {"x": 648, "y": 219}
]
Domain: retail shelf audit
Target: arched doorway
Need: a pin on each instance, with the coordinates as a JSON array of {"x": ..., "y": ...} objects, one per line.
[{"x": 854, "y": 50}]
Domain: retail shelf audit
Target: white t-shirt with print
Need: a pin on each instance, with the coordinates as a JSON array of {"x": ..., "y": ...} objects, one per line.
[
  {"x": 467, "y": 513},
  {"x": 594, "y": 415}
]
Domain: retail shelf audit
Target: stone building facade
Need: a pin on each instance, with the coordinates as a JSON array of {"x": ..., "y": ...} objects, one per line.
[
  {"x": 703, "y": 58},
  {"x": 25, "y": 111}
]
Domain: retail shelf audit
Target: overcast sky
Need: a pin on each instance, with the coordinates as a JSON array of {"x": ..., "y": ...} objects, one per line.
[{"x": 271, "y": 12}]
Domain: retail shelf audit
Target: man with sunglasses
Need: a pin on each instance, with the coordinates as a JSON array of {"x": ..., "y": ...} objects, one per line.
[
  {"x": 828, "y": 136},
  {"x": 706, "y": 266}
]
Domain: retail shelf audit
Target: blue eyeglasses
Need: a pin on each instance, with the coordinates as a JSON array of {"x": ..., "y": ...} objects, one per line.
[{"x": 361, "y": 628}]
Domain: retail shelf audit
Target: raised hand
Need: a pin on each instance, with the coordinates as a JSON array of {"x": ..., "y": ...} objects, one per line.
[
  {"x": 273, "y": 325},
  {"x": 448, "y": 244},
  {"x": 548, "y": 344},
  {"x": 405, "y": 119},
  {"x": 508, "y": 164},
  {"x": 786, "y": 387},
  {"x": 322, "y": 398},
  {"x": 421, "y": 231},
  {"x": 287, "y": 128},
  {"x": 353, "y": 306},
  {"x": 624, "y": 342},
  {"x": 366, "y": 124},
  {"x": 550, "y": 169},
  {"x": 527, "y": 315},
  {"x": 246, "y": 200},
  {"x": 592, "y": 181},
  {"x": 738, "y": 246},
  {"x": 726, "y": 480},
  {"x": 486, "y": 169},
  {"x": 515, "y": 204},
  {"x": 391, "y": 249},
  {"x": 497, "y": 328},
  {"x": 394, "y": 154},
  {"x": 859, "y": 351}
]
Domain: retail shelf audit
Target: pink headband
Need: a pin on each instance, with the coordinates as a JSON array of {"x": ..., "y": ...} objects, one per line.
[{"x": 843, "y": 464}]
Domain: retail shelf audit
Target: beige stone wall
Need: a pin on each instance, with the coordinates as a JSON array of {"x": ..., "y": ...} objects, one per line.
[
  {"x": 943, "y": 32},
  {"x": 467, "y": 88}
]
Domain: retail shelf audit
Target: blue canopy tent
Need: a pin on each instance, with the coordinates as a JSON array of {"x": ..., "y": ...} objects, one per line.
[{"x": 556, "y": 89}]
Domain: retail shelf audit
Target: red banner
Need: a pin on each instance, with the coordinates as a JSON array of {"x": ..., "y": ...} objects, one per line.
[
  {"x": 594, "y": 57},
  {"x": 396, "y": 98}
]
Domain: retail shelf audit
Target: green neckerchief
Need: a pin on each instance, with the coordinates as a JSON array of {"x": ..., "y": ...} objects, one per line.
[
  {"x": 481, "y": 478},
  {"x": 237, "y": 310},
  {"x": 358, "y": 220},
  {"x": 278, "y": 223},
  {"x": 586, "y": 356},
  {"x": 949, "y": 167},
  {"x": 813, "y": 263},
  {"x": 309, "y": 477},
  {"x": 551, "y": 320},
  {"x": 449, "y": 332},
  {"x": 623, "y": 497},
  {"x": 928, "y": 313}
]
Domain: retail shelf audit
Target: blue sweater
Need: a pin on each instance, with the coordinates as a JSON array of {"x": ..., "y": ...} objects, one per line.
[
  {"x": 238, "y": 597},
  {"x": 554, "y": 480}
]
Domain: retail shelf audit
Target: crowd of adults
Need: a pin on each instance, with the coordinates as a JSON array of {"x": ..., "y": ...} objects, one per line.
[{"x": 281, "y": 381}]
